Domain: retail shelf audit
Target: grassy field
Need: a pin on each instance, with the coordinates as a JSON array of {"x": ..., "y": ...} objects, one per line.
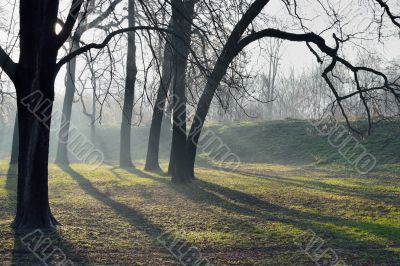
[
  {"x": 258, "y": 215},
  {"x": 292, "y": 194}
]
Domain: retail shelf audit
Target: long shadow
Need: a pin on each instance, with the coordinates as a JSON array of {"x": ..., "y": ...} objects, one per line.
[
  {"x": 316, "y": 185},
  {"x": 246, "y": 204},
  {"x": 336, "y": 189},
  {"x": 199, "y": 194},
  {"x": 127, "y": 212},
  {"x": 203, "y": 191},
  {"x": 63, "y": 250},
  {"x": 253, "y": 201},
  {"x": 390, "y": 232},
  {"x": 20, "y": 253},
  {"x": 131, "y": 215}
]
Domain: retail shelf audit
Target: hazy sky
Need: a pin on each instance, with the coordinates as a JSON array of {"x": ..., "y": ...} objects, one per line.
[
  {"x": 356, "y": 17},
  {"x": 297, "y": 55}
]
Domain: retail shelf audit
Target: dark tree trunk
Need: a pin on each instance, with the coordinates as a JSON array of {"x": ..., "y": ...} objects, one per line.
[
  {"x": 33, "y": 210},
  {"x": 63, "y": 135},
  {"x": 171, "y": 165},
  {"x": 201, "y": 114},
  {"x": 34, "y": 82},
  {"x": 152, "y": 159},
  {"x": 229, "y": 52},
  {"x": 190, "y": 159},
  {"x": 131, "y": 71},
  {"x": 35, "y": 95},
  {"x": 15, "y": 142},
  {"x": 182, "y": 16}
]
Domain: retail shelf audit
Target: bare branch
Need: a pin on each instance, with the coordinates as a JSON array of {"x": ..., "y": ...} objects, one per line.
[
  {"x": 392, "y": 17},
  {"x": 69, "y": 23},
  {"x": 103, "y": 44},
  {"x": 7, "y": 64},
  {"x": 102, "y": 16}
]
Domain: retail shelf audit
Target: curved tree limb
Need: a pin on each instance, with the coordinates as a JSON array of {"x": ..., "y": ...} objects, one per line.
[
  {"x": 7, "y": 64},
  {"x": 333, "y": 54},
  {"x": 392, "y": 17},
  {"x": 103, "y": 44},
  {"x": 69, "y": 23}
]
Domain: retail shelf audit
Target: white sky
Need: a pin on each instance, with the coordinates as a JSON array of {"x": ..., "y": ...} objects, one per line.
[
  {"x": 296, "y": 55},
  {"x": 357, "y": 17}
]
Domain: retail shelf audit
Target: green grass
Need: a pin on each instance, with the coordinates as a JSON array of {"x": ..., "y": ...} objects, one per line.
[
  {"x": 112, "y": 216},
  {"x": 297, "y": 142},
  {"x": 290, "y": 181},
  {"x": 283, "y": 142}
]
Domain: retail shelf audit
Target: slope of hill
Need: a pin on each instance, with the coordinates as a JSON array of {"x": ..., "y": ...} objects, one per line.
[
  {"x": 298, "y": 142},
  {"x": 284, "y": 142}
]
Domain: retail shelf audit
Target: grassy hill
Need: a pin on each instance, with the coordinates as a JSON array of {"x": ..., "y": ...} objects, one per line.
[
  {"x": 287, "y": 141},
  {"x": 297, "y": 142},
  {"x": 282, "y": 142}
]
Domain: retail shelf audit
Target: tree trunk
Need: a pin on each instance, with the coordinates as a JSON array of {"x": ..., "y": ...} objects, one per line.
[
  {"x": 131, "y": 71},
  {"x": 93, "y": 117},
  {"x": 14, "y": 149},
  {"x": 35, "y": 95},
  {"x": 34, "y": 82},
  {"x": 171, "y": 165},
  {"x": 182, "y": 15},
  {"x": 152, "y": 159},
  {"x": 201, "y": 114},
  {"x": 229, "y": 52},
  {"x": 93, "y": 113},
  {"x": 63, "y": 135},
  {"x": 33, "y": 210}
]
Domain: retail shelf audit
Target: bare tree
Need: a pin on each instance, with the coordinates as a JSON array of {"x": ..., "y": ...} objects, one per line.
[
  {"x": 229, "y": 52},
  {"x": 74, "y": 43},
  {"x": 33, "y": 77},
  {"x": 236, "y": 43},
  {"x": 152, "y": 159},
  {"x": 125, "y": 159},
  {"x": 182, "y": 16}
]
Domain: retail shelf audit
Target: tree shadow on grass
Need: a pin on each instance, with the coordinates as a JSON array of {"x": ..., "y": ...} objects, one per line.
[
  {"x": 131, "y": 215},
  {"x": 326, "y": 226},
  {"x": 53, "y": 250},
  {"x": 335, "y": 189},
  {"x": 21, "y": 255},
  {"x": 386, "y": 231}
]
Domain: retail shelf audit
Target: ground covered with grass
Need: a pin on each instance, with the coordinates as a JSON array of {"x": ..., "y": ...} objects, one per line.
[{"x": 262, "y": 214}]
